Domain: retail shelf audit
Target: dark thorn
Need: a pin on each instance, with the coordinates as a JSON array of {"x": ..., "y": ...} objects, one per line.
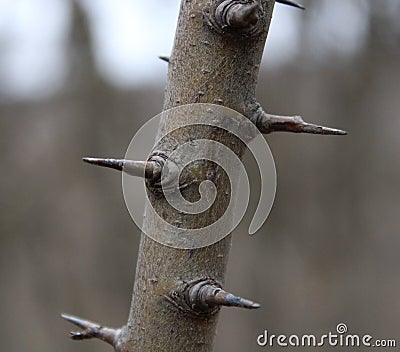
[
  {"x": 116, "y": 164},
  {"x": 243, "y": 15},
  {"x": 316, "y": 129},
  {"x": 81, "y": 323},
  {"x": 134, "y": 168},
  {"x": 297, "y": 125},
  {"x": 227, "y": 299},
  {"x": 291, "y": 3},
  {"x": 91, "y": 330},
  {"x": 79, "y": 336},
  {"x": 207, "y": 295},
  {"x": 164, "y": 58},
  {"x": 267, "y": 123},
  {"x": 238, "y": 17}
]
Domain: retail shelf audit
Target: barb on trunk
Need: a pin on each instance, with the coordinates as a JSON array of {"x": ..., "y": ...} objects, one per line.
[
  {"x": 238, "y": 17},
  {"x": 92, "y": 330},
  {"x": 206, "y": 296},
  {"x": 291, "y": 3},
  {"x": 267, "y": 123},
  {"x": 158, "y": 170},
  {"x": 149, "y": 169},
  {"x": 164, "y": 58}
]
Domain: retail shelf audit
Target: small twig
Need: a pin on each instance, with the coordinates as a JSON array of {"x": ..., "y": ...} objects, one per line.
[
  {"x": 207, "y": 295},
  {"x": 267, "y": 123},
  {"x": 92, "y": 330},
  {"x": 164, "y": 58},
  {"x": 291, "y": 3}
]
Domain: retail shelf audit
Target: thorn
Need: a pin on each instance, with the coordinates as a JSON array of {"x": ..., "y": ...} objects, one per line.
[
  {"x": 92, "y": 330},
  {"x": 291, "y": 3},
  {"x": 164, "y": 58},
  {"x": 147, "y": 169},
  {"x": 83, "y": 324},
  {"x": 316, "y": 129},
  {"x": 267, "y": 123},
  {"x": 227, "y": 299},
  {"x": 116, "y": 164},
  {"x": 206, "y": 295},
  {"x": 295, "y": 124},
  {"x": 243, "y": 15}
]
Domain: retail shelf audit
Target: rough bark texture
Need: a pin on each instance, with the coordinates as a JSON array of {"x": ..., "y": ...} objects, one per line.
[{"x": 206, "y": 66}]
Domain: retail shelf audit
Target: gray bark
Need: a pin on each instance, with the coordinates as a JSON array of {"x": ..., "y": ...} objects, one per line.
[{"x": 208, "y": 67}]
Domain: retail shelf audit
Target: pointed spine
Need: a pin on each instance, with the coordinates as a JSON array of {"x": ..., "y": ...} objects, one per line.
[
  {"x": 164, "y": 58},
  {"x": 267, "y": 123},
  {"x": 92, "y": 330},
  {"x": 291, "y": 3},
  {"x": 148, "y": 169},
  {"x": 238, "y": 17},
  {"x": 206, "y": 296}
]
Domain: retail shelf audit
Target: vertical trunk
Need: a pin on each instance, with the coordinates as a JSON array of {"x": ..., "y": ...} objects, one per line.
[
  {"x": 206, "y": 66},
  {"x": 178, "y": 292}
]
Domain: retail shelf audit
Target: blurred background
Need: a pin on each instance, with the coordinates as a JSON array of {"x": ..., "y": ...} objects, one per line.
[{"x": 79, "y": 78}]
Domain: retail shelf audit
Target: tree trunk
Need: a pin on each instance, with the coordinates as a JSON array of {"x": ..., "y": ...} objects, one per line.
[
  {"x": 207, "y": 67},
  {"x": 177, "y": 292}
]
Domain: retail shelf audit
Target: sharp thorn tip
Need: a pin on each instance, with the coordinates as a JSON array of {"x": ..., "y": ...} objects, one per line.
[
  {"x": 164, "y": 58},
  {"x": 245, "y": 303},
  {"x": 291, "y": 3},
  {"x": 255, "y": 305},
  {"x": 116, "y": 164}
]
